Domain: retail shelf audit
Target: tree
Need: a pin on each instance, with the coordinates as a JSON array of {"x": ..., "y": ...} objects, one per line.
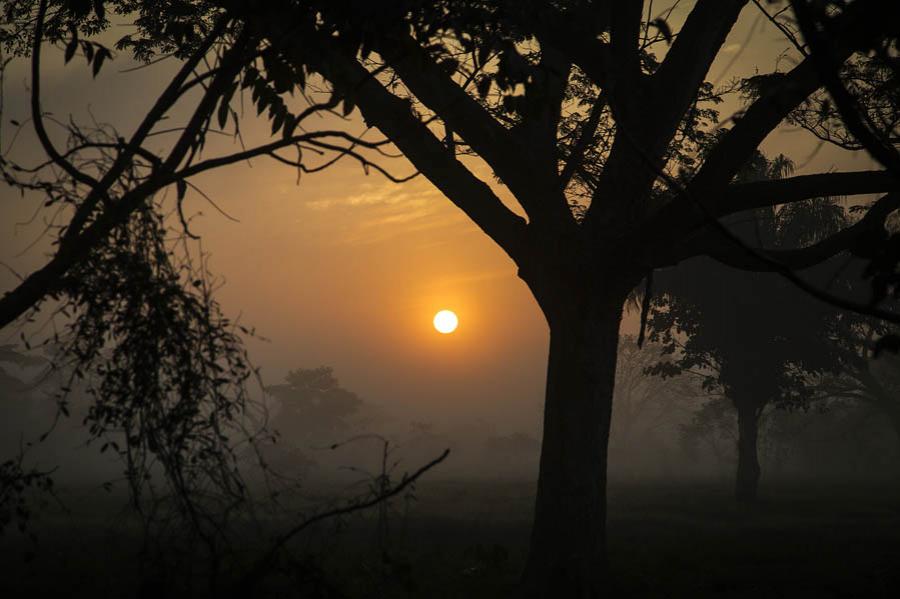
[
  {"x": 565, "y": 102},
  {"x": 867, "y": 377},
  {"x": 646, "y": 407},
  {"x": 11, "y": 382},
  {"x": 16, "y": 479},
  {"x": 756, "y": 338},
  {"x": 314, "y": 407}
]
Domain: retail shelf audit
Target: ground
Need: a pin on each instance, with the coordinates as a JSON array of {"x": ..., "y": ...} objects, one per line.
[{"x": 468, "y": 538}]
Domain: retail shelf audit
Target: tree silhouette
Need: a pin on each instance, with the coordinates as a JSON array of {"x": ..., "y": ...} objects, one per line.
[
  {"x": 755, "y": 337},
  {"x": 864, "y": 377},
  {"x": 18, "y": 480},
  {"x": 644, "y": 405},
  {"x": 566, "y": 103},
  {"x": 313, "y": 406}
]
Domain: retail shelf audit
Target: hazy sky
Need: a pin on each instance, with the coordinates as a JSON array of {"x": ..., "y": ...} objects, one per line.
[{"x": 347, "y": 270}]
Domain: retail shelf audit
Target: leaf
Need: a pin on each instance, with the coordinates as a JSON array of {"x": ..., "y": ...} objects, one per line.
[
  {"x": 250, "y": 77},
  {"x": 223, "y": 113},
  {"x": 79, "y": 8},
  {"x": 72, "y": 45},
  {"x": 102, "y": 54},
  {"x": 483, "y": 52},
  {"x": 664, "y": 29},
  {"x": 290, "y": 125},
  {"x": 278, "y": 121},
  {"x": 99, "y": 9},
  {"x": 483, "y": 86},
  {"x": 449, "y": 65},
  {"x": 278, "y": 73},
  {"x": 225, "y": 104}
]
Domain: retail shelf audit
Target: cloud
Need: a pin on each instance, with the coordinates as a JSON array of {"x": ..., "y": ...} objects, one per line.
[
  {"x": 375, "y": 212},
  {"x": 372, "y": 194}
]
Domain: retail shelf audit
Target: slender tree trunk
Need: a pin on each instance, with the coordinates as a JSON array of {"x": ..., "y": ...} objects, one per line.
[
  {"x": 567, "y": 557},
  {"x": 748, "y": 470}
]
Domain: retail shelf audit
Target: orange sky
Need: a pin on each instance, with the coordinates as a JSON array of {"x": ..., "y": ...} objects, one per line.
[{"x": 348, "y": 270}]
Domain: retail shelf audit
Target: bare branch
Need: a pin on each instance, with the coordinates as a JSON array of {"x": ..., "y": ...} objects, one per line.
[
  {"x": 37, "y": 115},
  {"x": 588, "y": 130},
  {"x": 827, "y": 63},
  {"x": 257, "y": 571}
]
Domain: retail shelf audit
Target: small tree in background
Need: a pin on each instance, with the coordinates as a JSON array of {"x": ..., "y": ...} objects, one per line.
[
  {"x": 313, "y": 413},
  {"x": 754, "y": 337},
  {"x": 648, "y": 409},
  {"x": 313, "y": 407}
]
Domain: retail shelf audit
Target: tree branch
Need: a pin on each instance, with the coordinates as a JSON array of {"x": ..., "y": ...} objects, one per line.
[
  {"x": 754, "y": 125},
  {"x": 393, "y": 116},
  {"x": 467, "y": 118},
  {"x": 772, "y": 107},
  {"x": 259, "y": 568},
  {"x": 758, "y": 194},
  {"x": 680, "y": 75},
  {"x": 586, "y": 137},
  {"x": 576, "y": 36},
  {"x": 162, "y": 105},
  {"x": 856, "y": 239},
  {"x": 37, "y": 115},
  {"x": 827, "y": 63}
]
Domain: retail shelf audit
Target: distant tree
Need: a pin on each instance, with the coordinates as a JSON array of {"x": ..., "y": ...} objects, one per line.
[
  {"x": 755, "y": 338},
  {"x": 11, "y": 382},
  {"x": 16, "y": 389},
  {"x": 711, "y": 428},
  {"x": 313, "y": 407},
  {"x": 18, "y": 481},
  {"x": 645, "y": 403},
  {"x": 867, "y": 378}
]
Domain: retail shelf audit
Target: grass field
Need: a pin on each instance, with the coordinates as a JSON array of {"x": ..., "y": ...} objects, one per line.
[{"x": 464, "y": 539}]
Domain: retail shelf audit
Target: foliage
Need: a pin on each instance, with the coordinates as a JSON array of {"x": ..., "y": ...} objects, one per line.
[
  {"x": 10, "y": 383},
  {"x": 312, "y": 403},
  {"x": 18, "y": 487},
  {"x": 645, "y": 403},
  {"x": 753, "y": 334}
]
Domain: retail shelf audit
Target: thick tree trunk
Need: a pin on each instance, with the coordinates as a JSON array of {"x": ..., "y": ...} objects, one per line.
[
  {"x": 567, "y": 557},
  {"x": 748, "y": 470}
]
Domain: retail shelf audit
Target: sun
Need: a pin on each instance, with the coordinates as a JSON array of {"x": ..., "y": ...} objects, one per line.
[{"x": 445, "y": 321}]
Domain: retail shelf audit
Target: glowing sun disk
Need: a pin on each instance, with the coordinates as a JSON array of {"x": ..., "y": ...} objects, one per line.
[{"x": 445, "y": 322}]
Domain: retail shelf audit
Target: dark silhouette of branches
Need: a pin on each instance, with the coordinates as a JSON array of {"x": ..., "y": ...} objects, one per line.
[
  {"x": 384, "y": 493},
  {"x": 815, "y": 25}
]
